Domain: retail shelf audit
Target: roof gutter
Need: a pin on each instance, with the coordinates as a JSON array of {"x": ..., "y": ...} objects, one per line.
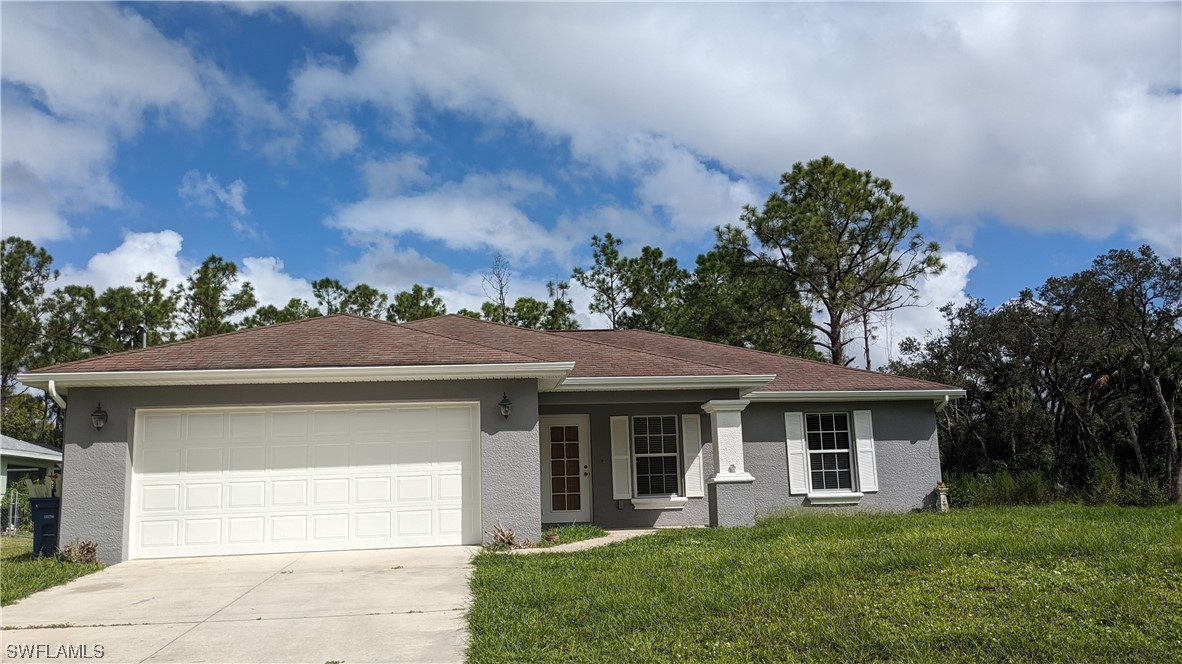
[
  {"x": 939, "y": 397},
  {"x": 548, "y": 375},
  {"x": 744, "y": 383},
  {"x": 57, "y": 398}
]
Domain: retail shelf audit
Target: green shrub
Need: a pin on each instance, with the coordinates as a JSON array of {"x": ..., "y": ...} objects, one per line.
[
  {"x": 1104, "y": 485},
  {"x": 1000, "y": 488},
  {"x": 1136, "y": 492}
]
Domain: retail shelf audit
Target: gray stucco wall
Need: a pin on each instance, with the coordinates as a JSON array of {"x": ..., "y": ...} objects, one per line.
[
  {"x": 905, "y": 445},
  {"x": 96, "y": 494},
  {"x": 610, "y": 513}
]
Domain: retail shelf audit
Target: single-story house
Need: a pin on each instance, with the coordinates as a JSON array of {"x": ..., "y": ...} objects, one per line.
[
  {"x": 344, "y": 432},
  {"x": 20, "y": 460}
]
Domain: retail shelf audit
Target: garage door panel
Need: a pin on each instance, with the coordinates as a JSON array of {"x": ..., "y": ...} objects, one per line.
[
  {"x": 289, "y": 493},
  {"x": 161, "y": 461},
  {"x": 247, "y": 459},
  {"x": 413, "y": 489},
  {"x": 330, "y": 456},
  {"x": 202, "y": 532},
  {"x": 246, "y": 530},
  {"x": 289, "y": 424},
  {"x": 330, "y": 491},
  {"x": 160, "y": 498},
  {"x": 204, "y": 427},
  {"x": 203, "y": 460},
  {"x": 373, "y": 489},
  {"x": 203, "y": 497},
  {"x": 162, "y": 428},
  {"x": 289, "y": 528},
  {"x": 375, "y": 454},
  {"x": 248, "y": 426},
  {"x": 371, "y": 525},
  {"x": 275, "y": 479},
  {"x": 247, "y": 495},
  {"x": 375, "y": 421},
  {"x": 330, "y": 423},
  {"x": 160, "y": 534},
  {"x": 330, "y": 526},
  {"x": 451, "y": 487},
  {"x": 289, "y": 457}
]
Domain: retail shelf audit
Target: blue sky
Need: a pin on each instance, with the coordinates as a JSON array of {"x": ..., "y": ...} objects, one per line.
[{"x": 403, "y": 143}]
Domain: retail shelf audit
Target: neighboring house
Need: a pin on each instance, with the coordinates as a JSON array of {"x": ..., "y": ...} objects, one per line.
[
  {"x": 344, "y": 432},
  {"x": 20, "y": 459}
]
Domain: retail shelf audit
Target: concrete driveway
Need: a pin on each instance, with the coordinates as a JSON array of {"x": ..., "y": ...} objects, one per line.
[{"x": 394, "y": 605}]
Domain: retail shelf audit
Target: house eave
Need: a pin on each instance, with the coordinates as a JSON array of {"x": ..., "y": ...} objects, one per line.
[
  {"x": 38, "y": 456},
  {"x": 743, "y": 383},
  {"x": 936, "y": 396},
  {"x": 548, "y": 375}
]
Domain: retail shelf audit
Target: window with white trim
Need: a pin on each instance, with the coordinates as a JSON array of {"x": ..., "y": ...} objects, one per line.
[
  {"x": 655, "y": 453},
  {"x": 828, "y": 438}
]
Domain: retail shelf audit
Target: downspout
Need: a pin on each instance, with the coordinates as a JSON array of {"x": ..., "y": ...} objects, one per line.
[
  {"x": 57, "y": 398},
  {"x": 940, "y": 405}
]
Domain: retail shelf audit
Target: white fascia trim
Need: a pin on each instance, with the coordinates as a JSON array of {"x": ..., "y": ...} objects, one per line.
[
  {"x": 40, "y": 456},
  {"x": 835, "y": 498},
  {"x": 744, "y": 384},
  {"x": 671, "y": 503},
  {"x": 935, "y": 396},
  {"x": 549, "y": 374}
]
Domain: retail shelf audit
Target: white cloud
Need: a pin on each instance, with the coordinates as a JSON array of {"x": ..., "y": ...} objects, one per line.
[
  {"x": 481, "y": 211},
  {"x": 79, "y": 79},
  {"x": 1050, "y": 116},
  {"x": 390, "y": 177},
  {"x": 271, "y": 284},
  {"x": 138, "y": 254},
  {"x": 205, "y": 192},
  {"x": 919, "y": 321},
  {"x": 339, "y": 138},
  {"x": 386, "y": 266}
]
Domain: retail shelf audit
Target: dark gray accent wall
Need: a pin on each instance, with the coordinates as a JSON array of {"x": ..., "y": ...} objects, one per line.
[
  {"x": 96, "y": 495},
  {"x": 905, "y": 444},
  {"x": 610, "y": 513}
]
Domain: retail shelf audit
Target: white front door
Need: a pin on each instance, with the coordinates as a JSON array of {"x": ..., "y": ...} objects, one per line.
[
  {"x": 566, "y": 468},
  {"x": 270, "y": 479}
]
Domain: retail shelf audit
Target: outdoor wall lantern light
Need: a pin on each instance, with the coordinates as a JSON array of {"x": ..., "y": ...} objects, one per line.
[
  {"x": 99, "y": 417},
  {"x": 505, "y": 405}
]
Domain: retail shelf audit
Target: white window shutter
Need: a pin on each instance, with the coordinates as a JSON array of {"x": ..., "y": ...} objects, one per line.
[
  {"x": 691, "y": 451},
  {"x": 865, "y": 457},
  {"x": 621, "y": 459},
  {"x": 798, "y": 462}
]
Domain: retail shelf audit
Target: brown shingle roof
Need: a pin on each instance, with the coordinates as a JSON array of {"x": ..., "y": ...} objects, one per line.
[
  {"x": 591, "y": 358},
  {"x": 340, "y": 340},
  {"x": 792, "y": 373},
  {"x": 344, "y": 340}
]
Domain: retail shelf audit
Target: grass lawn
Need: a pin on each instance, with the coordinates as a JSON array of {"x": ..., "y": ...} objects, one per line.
[
  {"x": 575, "y": 532},
  {"x": 22, "y": 575},
  {"x": 1057, "y": 583}
]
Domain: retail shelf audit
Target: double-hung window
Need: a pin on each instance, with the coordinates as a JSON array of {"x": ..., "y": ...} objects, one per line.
[
  {"x": 828, "y": 437},
  {"x": 655, "y": 455}
]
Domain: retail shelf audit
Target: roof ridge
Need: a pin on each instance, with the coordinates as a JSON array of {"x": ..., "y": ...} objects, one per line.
[
  {"x": 752, "y": 350},
  {"x": 593, "y": 341}
]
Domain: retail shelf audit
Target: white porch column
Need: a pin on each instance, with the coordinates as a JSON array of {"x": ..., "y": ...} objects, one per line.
[{"x": 726, "y": 420}]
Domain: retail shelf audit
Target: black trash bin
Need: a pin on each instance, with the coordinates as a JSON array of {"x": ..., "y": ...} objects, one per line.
[{"x": 46, "y": 514}]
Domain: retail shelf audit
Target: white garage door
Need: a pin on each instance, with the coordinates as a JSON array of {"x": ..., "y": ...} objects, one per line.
[{"x": 312, "y": 478}]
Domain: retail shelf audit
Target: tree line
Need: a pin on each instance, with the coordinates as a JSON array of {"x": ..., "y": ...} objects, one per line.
[
  {"x": 1077, "y": 377},
  {"x": 1076, "y": 381}
]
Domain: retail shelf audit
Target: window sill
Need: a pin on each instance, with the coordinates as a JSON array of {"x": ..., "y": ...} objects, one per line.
[
  {"x": 663, "y": 503},
  {"x": 835, "y": 498}
]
